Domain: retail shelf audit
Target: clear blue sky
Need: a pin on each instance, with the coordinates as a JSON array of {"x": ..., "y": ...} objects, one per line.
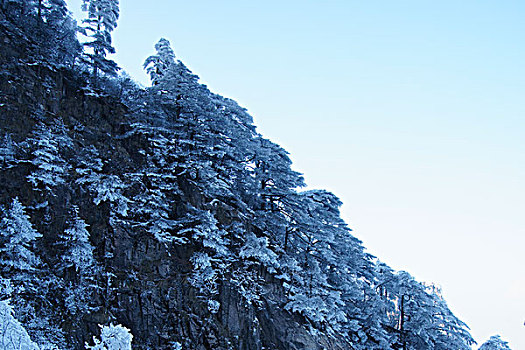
[{"x": 411, "y": 111}]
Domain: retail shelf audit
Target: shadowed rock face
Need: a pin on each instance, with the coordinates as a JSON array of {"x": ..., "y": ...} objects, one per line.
[{"x": 149, "y": 291}]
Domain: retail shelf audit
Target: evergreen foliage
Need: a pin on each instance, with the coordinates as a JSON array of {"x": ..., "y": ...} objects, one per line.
[
  {"x": 112, "y": 338},
  {"x": 13, "y": 335},
  {"x": 7, "y": 152},
  {"x": 102, "y": 16},
  {"x": 17, "y": 258},
  {"x": 76, "y": 267},
  {"x": 495, "y": 343},
  {"x": 48, "y": 23},
  {"x": 50, "y": 168}
]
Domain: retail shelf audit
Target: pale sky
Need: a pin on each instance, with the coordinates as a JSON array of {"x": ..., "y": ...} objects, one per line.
[{"x": 412, "y": 112}]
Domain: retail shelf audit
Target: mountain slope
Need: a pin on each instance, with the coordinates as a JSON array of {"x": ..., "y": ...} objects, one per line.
[{"x": 163, "y": 210}]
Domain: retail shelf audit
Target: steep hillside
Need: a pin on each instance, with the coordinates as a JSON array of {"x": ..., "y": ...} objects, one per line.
[{"x": 164, "y": 211}]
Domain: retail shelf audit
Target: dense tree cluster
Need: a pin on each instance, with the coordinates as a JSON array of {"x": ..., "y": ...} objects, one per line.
[
  {"x": 47, "y": 28},
  {"x": 203, "y": 185}
]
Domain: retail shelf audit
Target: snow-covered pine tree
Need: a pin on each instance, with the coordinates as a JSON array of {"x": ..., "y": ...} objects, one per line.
[
  {"x": 150, "y": 207},
  {"x": 102, "y": 186},
  {"x": 189, "y": 140},
  {"x": 27, "y": 274},
  {"x": 13, "y": 335},
  {"x": 418, "y": 317},
  {"x": 18, "y": 261},
  {"x": 7, "y": 152},
  {"x": 60, "y": 34},
  {"x": 78, "y": 251},
  {"x": 102, "y": 16},
  {"x": 212, "y": 258},
  {"x": 314, "y": 246},
  {"x": 275, "y": 179},
  {"x": 151, "y": 210},
  {"x": 51, "y": 10},
  {"x": 448, "y": 331},
  {"x": 495, "y": 343},
  {"x": 256, "y": 249},
  {"x": 183, "y": 99},
  {"x": 271, "y": 188},
  {"x": 112, "y": 338},
  {"x": 209, "y": 134},
  {"x": 48, "y": 23},
  {"x": 21, "y": 10},
  {"x": 50, "y": 168},
  {"x": 76, "y": 270},
  {"x": 158, "y": 65}
]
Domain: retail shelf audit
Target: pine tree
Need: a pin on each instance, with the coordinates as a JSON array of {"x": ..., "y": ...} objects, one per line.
[
  {"x": 157, "y": 66},
  {"x": 256, "y": 249},
  {"x": 102, "y": 16},
  {"x": 13, "y": 335},
  {"x": 418, "y": 316},
  {"x": 50, "y": 168},
  {"x": 151, "y": 211},
  {"x": 17, "y": 236},
  {"x": 204, "y": 278},
  {"x": 150, "y": 207},
  {"x": 76, "y": 270},
  {"x": 49, "y": 23},
  {"x": 60, "y": 35},
  {"x": 28, "y": 275},
  {"x": 52, "y": 11},
  {"x": 112, "y": 338},
  {"x": 315, "y": 248},
  {"x": 7, "y": 152},
  {"x": 78, "y": 251},
  {"x": 210, "y": 262},
  {"x": 495, "y": 343},
  {"x": 103, "y": 187}
]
